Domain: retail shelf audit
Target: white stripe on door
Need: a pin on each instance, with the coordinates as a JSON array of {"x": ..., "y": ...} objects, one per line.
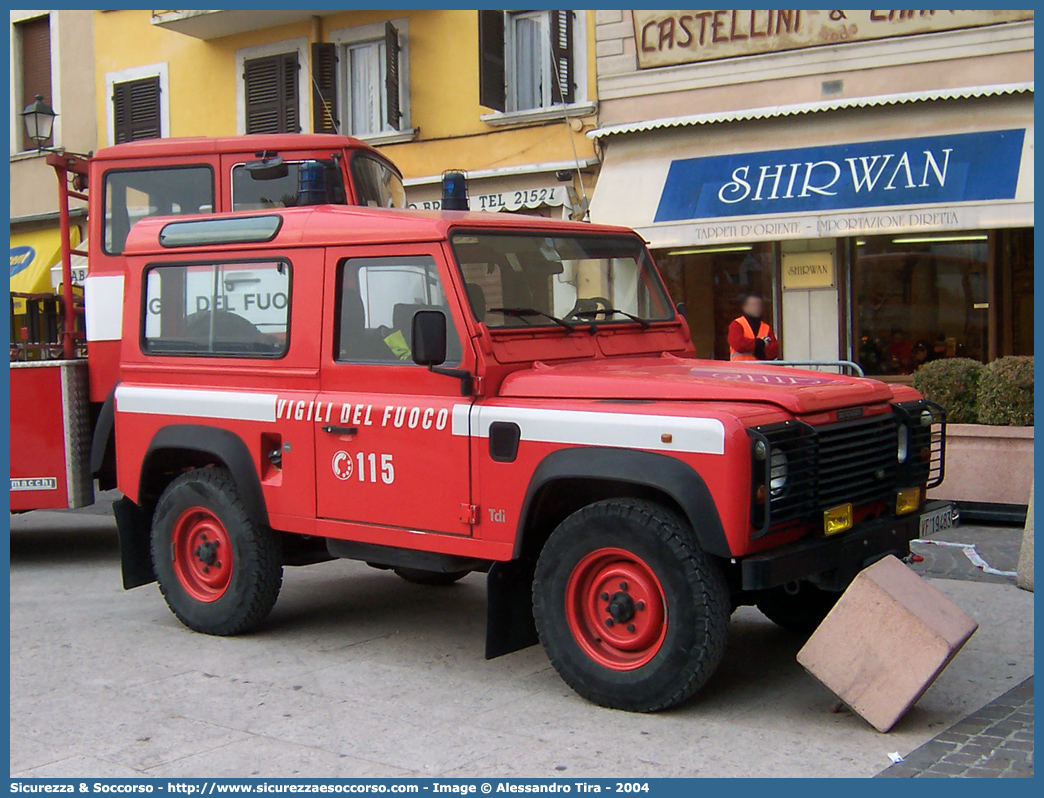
[
  {"x": 593, "y": 428},
  {"x": 196, "y": 403}
]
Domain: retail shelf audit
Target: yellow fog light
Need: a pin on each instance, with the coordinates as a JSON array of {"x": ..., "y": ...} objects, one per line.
[
  {"x": 837, "y": 520},
  {"x": 908, "y": 501}
]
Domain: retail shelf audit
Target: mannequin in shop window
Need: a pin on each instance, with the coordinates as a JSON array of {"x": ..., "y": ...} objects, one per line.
[{"x": 750, "y": 337}]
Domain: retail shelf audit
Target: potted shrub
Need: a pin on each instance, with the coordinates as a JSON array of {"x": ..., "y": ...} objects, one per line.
[{"x": 989, "y": 440}]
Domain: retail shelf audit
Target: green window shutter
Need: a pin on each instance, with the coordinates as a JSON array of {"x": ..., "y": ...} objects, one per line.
[
  {"x": 34, "y": 36},
  {"x": 492, "y": 88},
  {"x": 324, "y": 88},
  {"x": 270, "y": 91},
  {"x": 136, "y": 110},
  {"x": 564, "y": 72},
  {"x": 391, "y": 79}
]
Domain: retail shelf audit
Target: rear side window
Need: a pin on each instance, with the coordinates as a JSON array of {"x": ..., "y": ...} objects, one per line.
[
  {"x": 218, "y": 309},
  {"x": 135, "y": 194},
  {"x": 376, "y": 184}
]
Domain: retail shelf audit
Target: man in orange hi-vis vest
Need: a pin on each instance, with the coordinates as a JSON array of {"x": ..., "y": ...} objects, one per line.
[{"x": 750, "y": 338}]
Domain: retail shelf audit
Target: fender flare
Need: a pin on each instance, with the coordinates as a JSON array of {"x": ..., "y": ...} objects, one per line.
[
  {"x": 219, "y": 443},
  {"x": 101, "y": 442},
  {"x": 636, "y": 467}
]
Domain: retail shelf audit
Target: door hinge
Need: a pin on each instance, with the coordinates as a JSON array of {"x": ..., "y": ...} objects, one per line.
[{"x": 469, "y": 514}]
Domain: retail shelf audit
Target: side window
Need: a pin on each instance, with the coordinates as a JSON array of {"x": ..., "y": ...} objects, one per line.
[
  {"x": 378, "y": 298},
  {"x": 223, "y": 309},
  {"x": 134, "y": 194},
  {"x": 376, "y": 184}
]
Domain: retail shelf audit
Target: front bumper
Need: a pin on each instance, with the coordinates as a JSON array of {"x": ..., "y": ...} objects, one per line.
[{"x": 850, "y": 552}]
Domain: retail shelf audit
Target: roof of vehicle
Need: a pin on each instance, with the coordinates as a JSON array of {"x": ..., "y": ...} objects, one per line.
[
  {"x": 341, "y": 225},
  {"x": 202, "y": 145}
]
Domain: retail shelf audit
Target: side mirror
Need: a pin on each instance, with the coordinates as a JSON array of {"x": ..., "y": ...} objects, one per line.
[
  {"x": 682, "y": 310},
  {"x": 268, "y": 169},
  {"x": 428, "y": 340}
]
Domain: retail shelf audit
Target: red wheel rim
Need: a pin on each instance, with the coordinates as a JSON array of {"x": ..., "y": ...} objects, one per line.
[
  {"x": 616, "y": 609},
  {"x": 202, "y": 553}
]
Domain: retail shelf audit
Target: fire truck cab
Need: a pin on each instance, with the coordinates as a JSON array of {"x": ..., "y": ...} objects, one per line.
[
  {"x": 442, "y": 393},
  {"x": 65, "y": 349}
]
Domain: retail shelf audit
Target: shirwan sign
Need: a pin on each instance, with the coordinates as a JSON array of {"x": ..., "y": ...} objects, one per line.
[
  {"x": 666, "y": 38},
  {"x": 963, "y": 167},
  {"x": 803, "y": 270}
]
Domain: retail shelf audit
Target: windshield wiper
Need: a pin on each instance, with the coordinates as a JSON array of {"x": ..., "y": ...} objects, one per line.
[
  {"x": 519, "y": 313},
  {"x": 609, "y": 311}
]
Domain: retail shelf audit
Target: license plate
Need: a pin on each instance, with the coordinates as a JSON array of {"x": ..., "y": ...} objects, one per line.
[{"x": 936, "y": 521}]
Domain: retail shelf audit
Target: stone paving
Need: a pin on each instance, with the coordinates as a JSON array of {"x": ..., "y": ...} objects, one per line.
[
  {"x": 358, "y": 673},
  {"x": 995, "y": 742},
  {"x": 997, "y": 545}
]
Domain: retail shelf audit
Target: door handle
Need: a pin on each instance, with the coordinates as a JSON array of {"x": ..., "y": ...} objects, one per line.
[{"x": 335, "y": 430}]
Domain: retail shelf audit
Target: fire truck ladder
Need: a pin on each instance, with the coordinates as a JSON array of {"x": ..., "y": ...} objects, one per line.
[{"x": 72, "y": 183}]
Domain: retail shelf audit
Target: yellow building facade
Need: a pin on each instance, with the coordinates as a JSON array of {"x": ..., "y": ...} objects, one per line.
[{"x": 531, "y": 154}]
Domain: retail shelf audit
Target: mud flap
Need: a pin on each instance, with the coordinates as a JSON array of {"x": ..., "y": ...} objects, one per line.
[
  {"x": 509, "y": 608},
  {"x": 133, "y": 527}
]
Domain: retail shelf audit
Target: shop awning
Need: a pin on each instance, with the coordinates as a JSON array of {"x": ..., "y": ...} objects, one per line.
[
  {"x": 32, "y": 256},
  {"x": 798, "y": 109},
  {"x": 798, "y": 178},
  {"x": 511, "y": 188}
]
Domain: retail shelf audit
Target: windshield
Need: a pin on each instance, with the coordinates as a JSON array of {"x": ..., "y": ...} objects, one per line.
[{"x": 532, "y": 279}]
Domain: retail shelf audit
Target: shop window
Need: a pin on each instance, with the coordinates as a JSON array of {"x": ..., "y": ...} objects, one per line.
[
  {"x": 136, "y": 110},
  {"x": 1014, "y": 253},
  {"x": 920, "y": 297},
  {"x": 712, "y": 281},
  {"x": 527, "y": 59},
  {"x": 359, "y": 81},
  {"x": 135, "y": 194},
  {"x": 270, "y": 86},
  {"x": 33, "y": 39},
  {"x": 226, "y": 310},
  {"x": 378, "y": 299}
]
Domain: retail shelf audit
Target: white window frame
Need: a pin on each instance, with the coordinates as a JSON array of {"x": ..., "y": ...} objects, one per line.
[
  {"x": 17, "y": 104},
  {"x": 543, "y": 17},
  {"x": 304, "y": 87},
  {"x": 364, "y": 34},
  {"x": 158, "y": 70},
  {"x": 581, "y": 105}
]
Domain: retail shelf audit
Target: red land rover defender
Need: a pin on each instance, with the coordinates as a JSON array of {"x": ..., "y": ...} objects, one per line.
[{"x": 450, "y": 392}]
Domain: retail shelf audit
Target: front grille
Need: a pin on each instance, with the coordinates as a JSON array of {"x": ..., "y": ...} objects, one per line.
[
  {"x": 857, "y": 461},
  {"x": 845, "y": 462}
]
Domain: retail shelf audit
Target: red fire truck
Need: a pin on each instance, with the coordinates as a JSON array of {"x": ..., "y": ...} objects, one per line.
[{"x": 442, "y": 393}]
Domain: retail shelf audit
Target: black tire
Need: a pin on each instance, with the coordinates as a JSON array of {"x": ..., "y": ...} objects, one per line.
[
  {"x": 256, "y": 571},
  {"x": 799, "y": 612},
  {"x": 431, "y": 578},
  {"x": 694, "y": 594}
]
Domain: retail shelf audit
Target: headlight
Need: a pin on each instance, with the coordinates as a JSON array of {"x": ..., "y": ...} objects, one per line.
[
  {"x": 904, "y": 443},
  {"x": 777, "y": 472}
]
